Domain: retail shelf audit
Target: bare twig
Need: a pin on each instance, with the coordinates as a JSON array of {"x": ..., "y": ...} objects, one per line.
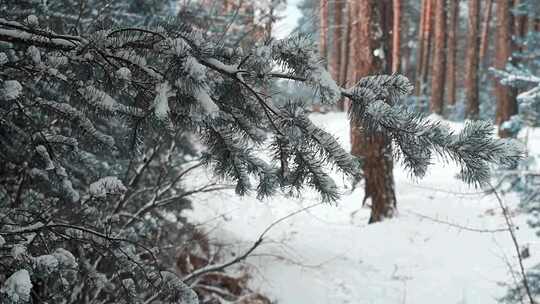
[
  {"x": 511, "y": 270},
  {"x": 510, "y": 226},
  {"x": 212, "y": 268},
  {"x": 459, "y": 226}
]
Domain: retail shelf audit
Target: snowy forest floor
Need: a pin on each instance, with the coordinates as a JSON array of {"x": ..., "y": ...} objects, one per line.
[{"x": 328, "y": 253}]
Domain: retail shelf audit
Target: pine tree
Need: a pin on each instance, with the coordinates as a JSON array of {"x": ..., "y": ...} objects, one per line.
[
  {"x": 453, "y": 24},
  {"x": 323, "y": 30},
  {"x": 506, "y": 96},
  {"x": 471, "y": 66},
  {"x": 485, "y": 32},
  {"x": 336, "y": 59},
  {"x": 420, "y": 52},
  {"x": 424, "y": 47},
  {"x": 77, "y": 107},
  {"x": 439, "y": 59},
  {"x": 396, "y": 35},
  {"x": 346, "y": 70},
  {"x": 374, "y": 148},
  {"x": 323, "y": 38}
]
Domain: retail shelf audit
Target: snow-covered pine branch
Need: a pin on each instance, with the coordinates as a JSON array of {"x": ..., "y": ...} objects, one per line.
[
  {"x": 474, "y": 148},
  {"x": 103, "y": 121},
  {"x": 192, "y": 63}
]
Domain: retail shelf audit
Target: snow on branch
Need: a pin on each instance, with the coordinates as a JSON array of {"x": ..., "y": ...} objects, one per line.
[
  {"x": 17, "y": 287},
  {"x": 70, "y": 113},
  {"x": 474, "y": 148}
]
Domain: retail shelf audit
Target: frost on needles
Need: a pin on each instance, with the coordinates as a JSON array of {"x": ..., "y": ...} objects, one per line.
[{"x": 73, "y": 106}]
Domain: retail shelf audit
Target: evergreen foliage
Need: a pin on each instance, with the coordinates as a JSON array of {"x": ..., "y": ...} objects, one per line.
[
  {"x": 78, "y": 106},
  {"x": 523, "y": 75}
]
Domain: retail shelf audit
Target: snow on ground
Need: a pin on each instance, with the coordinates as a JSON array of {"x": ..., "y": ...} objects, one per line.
[{"x": 328, "y": 254}]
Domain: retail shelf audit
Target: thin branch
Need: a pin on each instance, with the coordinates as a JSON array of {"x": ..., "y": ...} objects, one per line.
[
  {"x": 212, "y": 268},
  {"x": 134, "y": 29},
  {"x": 459, "y": 226},
  {"x": 40, "y": 227},
  {"x": 512, "y": 233}
]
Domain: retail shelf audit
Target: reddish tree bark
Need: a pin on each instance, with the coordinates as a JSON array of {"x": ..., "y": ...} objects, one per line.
[
  {"x": 323, "y": 28},
  {"x": 452, "y": 50},
  {"x": 345, "y": 69},
  {"x": 471, "y": 66},
  {"x": 396, "y": 36},
  {"x": 419, "y": 49},
  {"x": 424, "y": 38},
  {"x": 335, "y": 60},
  {"x": 323, "y": 38},
  {"x": 353, "y": 16},
  {"x": 427, "y": 45},
  {"x": 337, "y": 26},
  {"x": 485, "y": 31},
  {"x": 439, "y": 60},
  {"x": 506, "y": 96},
  {"x": 374, "y": 149},
  {"x": 346, "y": 46}
]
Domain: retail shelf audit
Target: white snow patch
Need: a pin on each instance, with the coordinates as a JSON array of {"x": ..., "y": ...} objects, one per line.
[
  {"x": 46, "y": 263},
  {"x": 123, "y": 73},
  {"x": 161, "y": 101},
  {"x": 3, "y": 58},
  {"x": 107, "y": 185},
  {"x": 65, "y": 258},
  {"x": 34, "y": 53},
  {"x": 378, "y": 53},
  {"x": 12, "y": 89},
  {"x": 42, "y": 151},
  {"x": 18, "y": 286},
  {"x": 18, "y": 252},
  {"x": 206, "y": 102},
  {"x": 32, "y": 20},
  {"x": 325, "y": 80},
  {"x": 530, "y": 95},
  {"x": 228, "y": 68},
  {"x": 194, "y": 69}
]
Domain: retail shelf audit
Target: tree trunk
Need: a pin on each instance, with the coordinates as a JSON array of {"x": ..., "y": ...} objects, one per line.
[
  {"x": 323, "y": 28},
  {"x": 335, "y": 60},
  {"x": 535, "y": 24},
  {"x": 471, "y": 66},
  {"x": 439, "y": 60},
  {"x": 452, "y": 49},
  {"x": 396, "y": 35},
  {"x": 485, "y": 32},
  {"x": 346, "y": 46},
  {"x": 353, "y": 37},
  {"x": 420, "y": 48},
  {"x": 428, "y": 34},
  {"x": 323, "y": 39},
  {"x": 506, "y": 96},
  {"x": 520, "y": 23},
  {"x": 345, "y": 68},
  {"x": 374, "y": 149},
  {"x": 406, "y": 48},
  {"x": 335, "y": 57}
]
